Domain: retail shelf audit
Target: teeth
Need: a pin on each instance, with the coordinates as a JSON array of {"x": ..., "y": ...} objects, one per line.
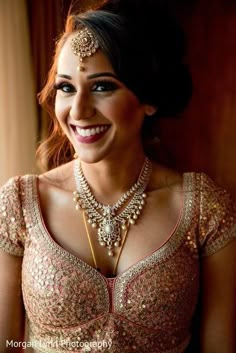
[{"x": 91, "y": 132}]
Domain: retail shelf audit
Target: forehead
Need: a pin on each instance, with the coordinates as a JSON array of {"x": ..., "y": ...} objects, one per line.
[{"x": 68, "y": 61}]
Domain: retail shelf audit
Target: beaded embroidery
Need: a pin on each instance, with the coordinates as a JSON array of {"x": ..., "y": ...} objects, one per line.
[{"x": 147, "y": 308}]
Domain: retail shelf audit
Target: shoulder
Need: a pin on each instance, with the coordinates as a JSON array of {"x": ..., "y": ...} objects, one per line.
[
  {"x": 214, "y": 198},
  {"x": 60, "y": 177},
  {"x": 12, "y": 225},
  {"x": 163, "y": 177},
  {"x": 56, "y": 185},
  {"x": 11, "y": 191},
  {"x": 165, "y": 188},
  {"x": 217, "y": 215}
]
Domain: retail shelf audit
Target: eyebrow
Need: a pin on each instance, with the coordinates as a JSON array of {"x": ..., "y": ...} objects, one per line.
[
  {"x": 99, "y": 74},
  {"x": 64, "y": 76},
  {"x": 89, "y": 77}
]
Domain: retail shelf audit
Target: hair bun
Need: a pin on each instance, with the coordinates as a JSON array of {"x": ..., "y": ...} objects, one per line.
[
  {"x": 145, "y": 11},
  {"x": 149, "y": 46},
  {"x": 175, "y": 91}
]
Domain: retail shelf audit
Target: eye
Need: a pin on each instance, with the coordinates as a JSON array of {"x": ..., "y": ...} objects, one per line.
[
  {"x": 64, "y": 87},
  {"x": 104, "y": 86}
]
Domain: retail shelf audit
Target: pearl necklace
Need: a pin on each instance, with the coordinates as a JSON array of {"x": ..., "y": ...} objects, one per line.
[{"x": 105, "y": 218}]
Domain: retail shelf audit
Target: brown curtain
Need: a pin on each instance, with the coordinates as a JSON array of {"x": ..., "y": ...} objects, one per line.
[
  {"x": 204, "y": 138},
  {"x": 46, "y": 19},
  {"x": 17, "y": 93}
]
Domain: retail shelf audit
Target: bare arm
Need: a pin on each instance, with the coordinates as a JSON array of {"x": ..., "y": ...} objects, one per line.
[
  {"x": 218, "y": 324},
  {"x": 11, "y": 305}
]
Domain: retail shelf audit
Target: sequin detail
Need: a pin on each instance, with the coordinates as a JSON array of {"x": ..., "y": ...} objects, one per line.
[
  {"x": 217, "y": 224},
  {"x": 12, "y": 223},
  {"x": 148, "y": 308}
]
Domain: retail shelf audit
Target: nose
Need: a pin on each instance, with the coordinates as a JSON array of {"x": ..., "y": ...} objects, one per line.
[{"x": 82, "y": 107}]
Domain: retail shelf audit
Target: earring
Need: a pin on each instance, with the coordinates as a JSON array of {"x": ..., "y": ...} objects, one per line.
[{"x": 150, "y": 110}]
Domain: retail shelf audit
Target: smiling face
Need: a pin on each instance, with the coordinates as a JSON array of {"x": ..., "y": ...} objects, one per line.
[{"x": 100, "y": 116}]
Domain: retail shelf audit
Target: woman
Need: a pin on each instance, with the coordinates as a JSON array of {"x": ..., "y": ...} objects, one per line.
[{"x": 121, "y": 268}]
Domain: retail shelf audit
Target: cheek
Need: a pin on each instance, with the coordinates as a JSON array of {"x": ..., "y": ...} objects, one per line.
[
  {"x": 130, "y": 111},
  {"x": 123, "y": 108},
  {"x": 61, "y": 109}
]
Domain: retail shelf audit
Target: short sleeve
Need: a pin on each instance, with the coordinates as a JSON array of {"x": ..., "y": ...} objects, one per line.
[
  {"x": 217, "y": 224},
  {"x": 12, "y": 229}
]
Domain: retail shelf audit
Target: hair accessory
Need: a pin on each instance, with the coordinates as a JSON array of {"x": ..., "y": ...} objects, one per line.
[
  {"x": 109, "y": 221},
  {"x": 84, "y": 44}
]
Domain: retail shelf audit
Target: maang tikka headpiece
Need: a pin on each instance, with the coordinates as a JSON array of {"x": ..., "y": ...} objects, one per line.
[{"x": 84, "y": 44}]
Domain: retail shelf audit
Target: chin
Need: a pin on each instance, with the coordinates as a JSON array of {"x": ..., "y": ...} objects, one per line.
[
  {"x": 90, "y": 157},
  {"x": 94, "y": 154}
]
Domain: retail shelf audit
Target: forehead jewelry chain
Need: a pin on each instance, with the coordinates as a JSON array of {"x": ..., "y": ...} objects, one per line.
[
  {"x": 84, "y": 44},
  {"x": 105, "y": 218}
]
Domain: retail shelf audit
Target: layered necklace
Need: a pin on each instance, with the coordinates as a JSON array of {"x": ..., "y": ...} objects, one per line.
[{"x": 109, "y": 220}]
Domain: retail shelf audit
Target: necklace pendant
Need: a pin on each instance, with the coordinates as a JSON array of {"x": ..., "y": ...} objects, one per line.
[
  {"x": 110, "y": 253},
  {"x": 109, "y": 233}
]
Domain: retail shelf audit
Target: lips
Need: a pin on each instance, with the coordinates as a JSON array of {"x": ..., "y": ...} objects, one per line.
[{"x": 89, "y": 134}]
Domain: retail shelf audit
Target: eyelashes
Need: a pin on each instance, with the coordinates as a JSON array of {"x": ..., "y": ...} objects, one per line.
[
  {"x": 64, "y": 87},
  {"x": 101, "y": 86},
  {"x": 104, "y": 86}
]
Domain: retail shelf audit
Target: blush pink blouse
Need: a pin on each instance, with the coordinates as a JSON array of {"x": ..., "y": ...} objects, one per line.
[{"x": 71, "y": 307}]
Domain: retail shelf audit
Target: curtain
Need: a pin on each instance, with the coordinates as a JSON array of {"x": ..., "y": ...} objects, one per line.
[
  {"x": 18, "y": 120},
  {"x": 203, "y": 139}
]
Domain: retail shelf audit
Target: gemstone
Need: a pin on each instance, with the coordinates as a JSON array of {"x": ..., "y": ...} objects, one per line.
[{"x": 108, "y": 228}]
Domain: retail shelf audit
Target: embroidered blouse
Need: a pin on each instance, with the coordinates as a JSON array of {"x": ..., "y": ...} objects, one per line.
[{"x": 71, "y": 307}]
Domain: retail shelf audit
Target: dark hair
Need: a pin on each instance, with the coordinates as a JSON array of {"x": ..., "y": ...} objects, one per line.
[{"x": 146, "y": 48}]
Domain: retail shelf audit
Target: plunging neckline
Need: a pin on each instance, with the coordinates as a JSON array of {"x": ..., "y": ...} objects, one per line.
[{"x": 34, "y": 199}]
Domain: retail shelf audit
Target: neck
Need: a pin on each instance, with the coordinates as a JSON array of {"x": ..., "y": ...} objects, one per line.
[{"x": 109, "y": 179}]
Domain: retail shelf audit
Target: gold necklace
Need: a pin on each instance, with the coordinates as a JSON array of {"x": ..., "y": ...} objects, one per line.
[{"x": 105, "y": 218}]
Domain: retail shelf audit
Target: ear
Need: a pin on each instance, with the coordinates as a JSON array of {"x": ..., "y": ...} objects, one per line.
[{"x": 150, "y": 109}]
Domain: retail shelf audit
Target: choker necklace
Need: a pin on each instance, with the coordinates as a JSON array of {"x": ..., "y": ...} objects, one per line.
[{"x": 105, "y": 218}]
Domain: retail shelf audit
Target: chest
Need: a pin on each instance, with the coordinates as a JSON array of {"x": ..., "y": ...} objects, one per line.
[{"x": 70, "y": 229}]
